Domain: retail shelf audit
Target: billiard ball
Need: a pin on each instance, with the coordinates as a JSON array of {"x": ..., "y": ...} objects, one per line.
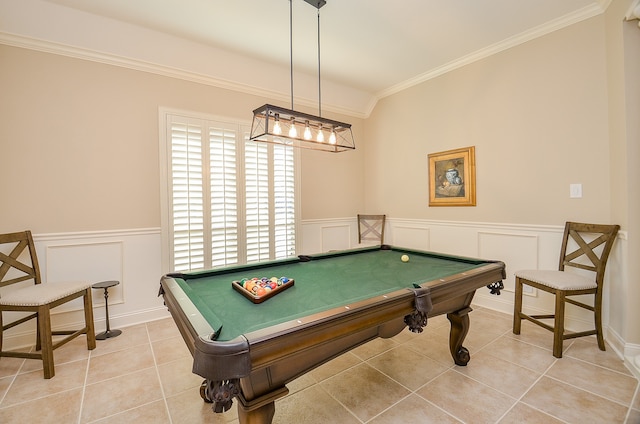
[{"x": 404, "y": 258}]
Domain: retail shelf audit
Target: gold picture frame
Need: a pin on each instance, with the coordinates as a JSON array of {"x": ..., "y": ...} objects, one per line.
[{"x": 452, "y": 177}]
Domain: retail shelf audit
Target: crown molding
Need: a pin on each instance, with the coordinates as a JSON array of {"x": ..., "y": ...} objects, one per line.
[
  {"x": 634, "y": 12},
  {"x": 134, "y": 64},
  {"x": 547, "y": 28},
  {"x": 163, "y": 70},
  {"x": 361, "y": 108}
]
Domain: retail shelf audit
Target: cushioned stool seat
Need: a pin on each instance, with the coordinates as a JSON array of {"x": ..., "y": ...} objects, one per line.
[
  {"x": 560, "y": 280},
  {"x": 41, "y": 294}
]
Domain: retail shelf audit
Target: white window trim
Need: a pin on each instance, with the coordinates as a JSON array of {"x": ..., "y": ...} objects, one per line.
[{"x": 165, "y": 189}]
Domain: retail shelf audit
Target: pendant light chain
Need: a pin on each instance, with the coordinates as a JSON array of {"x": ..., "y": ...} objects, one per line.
[
  {"x": 319, "y": 90},
  {"x": 291, "y": 48}
]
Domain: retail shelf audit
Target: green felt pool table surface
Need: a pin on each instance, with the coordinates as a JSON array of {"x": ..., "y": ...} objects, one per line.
[
  {"x": 340, "y": 300},
  {"x": 323, "y": 283}
]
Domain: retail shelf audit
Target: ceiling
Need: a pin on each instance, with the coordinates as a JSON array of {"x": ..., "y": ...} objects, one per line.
[{"x": 374, "y": 46}]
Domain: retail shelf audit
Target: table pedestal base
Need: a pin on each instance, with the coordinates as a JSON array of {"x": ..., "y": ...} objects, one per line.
[{"x": 108, "y": 334}]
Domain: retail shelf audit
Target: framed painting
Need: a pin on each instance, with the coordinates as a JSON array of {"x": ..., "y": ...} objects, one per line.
[{"x": 452, "y": 178}]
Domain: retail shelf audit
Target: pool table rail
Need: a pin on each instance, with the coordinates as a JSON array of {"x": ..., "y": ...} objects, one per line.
[
  {"x": 256, "y": 366},
  {"x": 261, "y": 348}
]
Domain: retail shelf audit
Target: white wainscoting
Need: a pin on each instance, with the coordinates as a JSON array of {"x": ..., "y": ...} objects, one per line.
[
  {"x": 131, "y": 257},
  {"x": 518, "y": 246}
]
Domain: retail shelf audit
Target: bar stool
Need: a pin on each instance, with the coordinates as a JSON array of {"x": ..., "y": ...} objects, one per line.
[{"x": 105, "y": 285}]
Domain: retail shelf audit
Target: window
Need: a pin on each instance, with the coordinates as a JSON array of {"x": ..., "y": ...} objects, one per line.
[{"x": 228, "y": 200}]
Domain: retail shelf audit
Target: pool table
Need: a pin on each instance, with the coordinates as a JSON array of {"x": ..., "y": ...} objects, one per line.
[{"x": 338, "y": 301}]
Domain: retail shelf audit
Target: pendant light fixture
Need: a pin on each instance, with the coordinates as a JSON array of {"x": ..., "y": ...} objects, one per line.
[{"x": 274, "y": 124}]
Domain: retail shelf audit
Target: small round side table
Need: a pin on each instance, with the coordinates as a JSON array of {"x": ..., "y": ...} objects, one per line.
[{"x": 105, "y": 285}]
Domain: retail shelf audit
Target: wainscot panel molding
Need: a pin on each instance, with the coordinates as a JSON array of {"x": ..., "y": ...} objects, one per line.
[
  {"x": 336, "y": 237},
  {"x": 323, "y": 235},
  {"x": 519, "y": 246},
  {"x": 133, "y": 258},
  {"x": 129, "y": 256}
]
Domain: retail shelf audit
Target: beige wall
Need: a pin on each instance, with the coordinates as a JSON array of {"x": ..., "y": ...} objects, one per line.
[
  {"x": 632, "y": 158},
  {"x": 537, "y": 115},
  {"x": 79, "y": 143},
  {"x": 557, "y": 110},
  {"x": 623, "y": 67}
]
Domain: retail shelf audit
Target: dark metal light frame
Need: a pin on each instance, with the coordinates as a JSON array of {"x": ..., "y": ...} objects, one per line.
[
  {"x": 278, "y": 125},
  {"x": 272, "y": 124}
]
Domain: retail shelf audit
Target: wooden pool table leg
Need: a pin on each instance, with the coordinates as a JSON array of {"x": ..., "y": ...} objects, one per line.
[
  {"x": 260, "y": 410},
  {"x": 261, "y": 415},
  {"x": 459, "y": 329}
]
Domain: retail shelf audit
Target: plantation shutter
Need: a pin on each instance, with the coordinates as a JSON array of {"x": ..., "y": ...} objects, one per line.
[
  {"x": 224, "y": 196},
  {"x": 231, "y": 201},
  {"x": 188, "y": 204},
  {"x": 284, "y": 196},
  {"x": 257, "y": 187}
]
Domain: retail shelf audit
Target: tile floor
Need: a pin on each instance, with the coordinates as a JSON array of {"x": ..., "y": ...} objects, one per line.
[{"x": 144, "y": 376}]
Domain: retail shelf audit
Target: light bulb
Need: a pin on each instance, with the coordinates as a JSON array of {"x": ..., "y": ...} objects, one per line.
[
  {"x": 320, "y": 137},
  {"x": 277, "y": 129},
  {"x": 307, "y": 131},
  {"x": 332, "y": 137},
  {"x": 293, "y": 133}
]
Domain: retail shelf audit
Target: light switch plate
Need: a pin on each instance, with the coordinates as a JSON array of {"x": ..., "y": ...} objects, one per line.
[{"x": 575, "y": 191}]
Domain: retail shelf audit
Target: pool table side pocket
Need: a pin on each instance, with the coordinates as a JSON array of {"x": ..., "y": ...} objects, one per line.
[{"x": 417, "y": 319}]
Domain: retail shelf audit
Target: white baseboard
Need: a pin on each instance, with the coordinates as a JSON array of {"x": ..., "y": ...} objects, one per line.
[
  {"x": 135, "y": 260},
  {"x": 133, "y": 318},
  {"x": 634, "y": 365},
  {"x": 27, "y": 337}
]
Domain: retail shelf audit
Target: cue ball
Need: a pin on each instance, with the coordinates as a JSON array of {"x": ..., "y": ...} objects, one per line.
[{"x": 404, "y": 258}]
